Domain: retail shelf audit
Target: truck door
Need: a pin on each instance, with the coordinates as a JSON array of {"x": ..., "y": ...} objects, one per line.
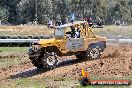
[{"x": 75, "y": 44}]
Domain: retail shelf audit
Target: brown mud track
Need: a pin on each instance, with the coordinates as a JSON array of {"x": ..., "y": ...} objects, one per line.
[
  {"x": 116, "y": 61},
  {"x": 12, "y": 55}
]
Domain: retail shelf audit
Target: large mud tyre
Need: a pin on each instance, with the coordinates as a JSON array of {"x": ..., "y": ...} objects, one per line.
[
  {"x": 37, "y": 64},
  {"x": 49, "y": 60},
  {"x": 94, "y": 52}
]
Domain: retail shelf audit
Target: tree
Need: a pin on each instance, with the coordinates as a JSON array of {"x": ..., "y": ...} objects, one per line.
[
  {"x": 12, "y": 6},
  {"x": 4, "y": 14},
  {"x": 23, "y": 11}
]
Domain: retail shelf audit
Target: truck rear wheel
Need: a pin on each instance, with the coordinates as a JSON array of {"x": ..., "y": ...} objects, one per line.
[
  {"x": 49, "y": 60},
  {"x": 91, "y": 53},
  {"x": 94, "y": 52}
]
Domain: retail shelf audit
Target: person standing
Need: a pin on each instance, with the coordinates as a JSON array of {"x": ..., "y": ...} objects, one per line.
[
  {"x": 63, "y": 21},
  {"x": 50, "y": 22},
  {"x": 72, "y": 17},
  {"x": 90, "y": 21},
  {"x": 99, "y": 22}
]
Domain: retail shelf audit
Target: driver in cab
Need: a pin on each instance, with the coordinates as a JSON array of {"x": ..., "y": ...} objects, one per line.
[{"x": 74, "y": 33}]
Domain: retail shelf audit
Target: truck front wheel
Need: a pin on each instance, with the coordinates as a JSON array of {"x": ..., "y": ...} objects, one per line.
[{"x": 49, "y": 60}]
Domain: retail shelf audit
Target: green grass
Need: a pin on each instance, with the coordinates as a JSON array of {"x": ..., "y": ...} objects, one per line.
[
  {"x": 23, "y": 83},
  {"x": 14, "y": 49},
  {"x": 51, "y": 82},
  {"x": 40, "y": 82},
  {"x": 18, "y": 55},
  {"x": 11, "y": 61}
]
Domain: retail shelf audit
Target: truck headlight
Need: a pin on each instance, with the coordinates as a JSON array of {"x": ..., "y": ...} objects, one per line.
[{"x": 36, "y": 48}]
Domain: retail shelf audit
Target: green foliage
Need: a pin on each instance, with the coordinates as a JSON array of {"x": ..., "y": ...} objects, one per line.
[
  {"x": 23, "y": 11},
  {"x": 3, "y": 15}
]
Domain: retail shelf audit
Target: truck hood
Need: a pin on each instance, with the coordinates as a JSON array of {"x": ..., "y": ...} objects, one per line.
[
  {"x": 101, "y": 38},
  {"x": 46, "y": 41}
]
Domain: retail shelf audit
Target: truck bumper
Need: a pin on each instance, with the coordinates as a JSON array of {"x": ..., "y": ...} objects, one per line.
[{"x": 33, "y": 53}]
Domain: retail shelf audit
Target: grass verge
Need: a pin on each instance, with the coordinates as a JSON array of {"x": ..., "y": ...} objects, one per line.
[
  {"x": 6, "y": 62},
  {"x": 12, "y": 55},
  {"x": 14, "y": 49}
]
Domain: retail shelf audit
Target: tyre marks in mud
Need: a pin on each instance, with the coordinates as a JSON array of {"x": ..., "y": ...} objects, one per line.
[
  {"x": 115, "y": 61},
  {"x": 11, "y": 70}
]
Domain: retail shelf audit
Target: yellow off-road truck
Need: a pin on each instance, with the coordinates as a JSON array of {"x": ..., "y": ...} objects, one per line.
[{"x": 69, "y": 39}]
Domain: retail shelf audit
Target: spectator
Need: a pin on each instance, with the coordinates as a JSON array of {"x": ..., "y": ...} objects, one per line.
[
  {"x": 99, "y": 22},
  {"x": 50, "y": 23},
  {"x": 72, "y": 17},
  {"x": 63, "y": 21},
  {"x": 58, "y": 23},
  {"x": 90, "y": 22},
  {"x": 0, "y": 22}
]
